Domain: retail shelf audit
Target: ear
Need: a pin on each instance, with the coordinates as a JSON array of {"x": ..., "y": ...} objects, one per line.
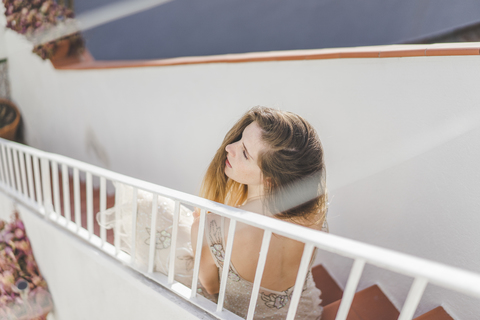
[{"x": 267, "y": 182}]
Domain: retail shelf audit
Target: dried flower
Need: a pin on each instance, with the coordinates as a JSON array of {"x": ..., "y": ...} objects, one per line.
[
  {"x": 19, "y": 234},
  {"x": 23, "y": 245},
  {"x": 16, "y": 263},
  {"x": 29, "y": 16}
]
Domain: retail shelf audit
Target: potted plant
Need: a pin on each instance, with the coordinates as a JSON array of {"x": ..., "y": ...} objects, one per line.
[
  {"x": 9, "y": 119},
  {"x": 28, "y": 17}
]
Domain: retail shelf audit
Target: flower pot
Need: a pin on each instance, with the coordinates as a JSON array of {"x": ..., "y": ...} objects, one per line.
[
  {"x": 9, "y": 119},
  {"x": 61, "y": 51}
]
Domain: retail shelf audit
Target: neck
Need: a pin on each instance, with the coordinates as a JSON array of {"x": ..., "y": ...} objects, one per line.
[{"x": 254, "y": 192}]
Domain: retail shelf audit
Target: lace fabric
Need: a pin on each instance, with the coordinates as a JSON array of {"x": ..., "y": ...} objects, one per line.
[{"x": 163, "y": 233}]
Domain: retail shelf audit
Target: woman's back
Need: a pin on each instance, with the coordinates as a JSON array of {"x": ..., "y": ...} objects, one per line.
[
  {"x": 283, "y": 258},
  {"x": 279, "y": 275}
]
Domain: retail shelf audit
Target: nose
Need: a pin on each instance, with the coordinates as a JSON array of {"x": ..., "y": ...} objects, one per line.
[{"x": 229, "y": 148}]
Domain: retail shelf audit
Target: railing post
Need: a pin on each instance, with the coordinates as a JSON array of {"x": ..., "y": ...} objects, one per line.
[
  {"x": 153, "y": 234},
  {"x": 66, "y": 194},
  {"x": 173, "y": 245},
  {"x": 267, "y": 235},
  {"x": 300, "y": 281},
  {"x": 349, "y": 292},
  {"x": 198, "y": 252},
  {"x": 134, "y": 226},
  {"x": 2, "y": 163},
  {"x": 38, "y": 189},
  {"x": 226, "y": 264},
  {"x": 10, "y": 167},
  {"x": 17, "y": 171},
  {"x": 31, "y": 188},
  {"x": 5, "y": 165},
  {"x": 56, "y": 191},
  {"x": 89, "y": 191},
  {"x": 47, "y": 192},
  {"x": 76, "y": 198},
  {"x": 23, "y": 174},
  {"x": 413, "y": 298},
  {"x": 103, "y": 207}
]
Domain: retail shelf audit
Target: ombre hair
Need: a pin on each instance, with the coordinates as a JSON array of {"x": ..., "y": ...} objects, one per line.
[{"x": 292, "y": 166}]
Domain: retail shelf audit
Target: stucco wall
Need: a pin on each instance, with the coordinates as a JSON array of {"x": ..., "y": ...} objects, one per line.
[
  {"x": 400, "y": 136},
  {"x": 3, "y": 44}
]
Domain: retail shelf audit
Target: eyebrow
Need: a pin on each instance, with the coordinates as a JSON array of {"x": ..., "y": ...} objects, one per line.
[{"x": 247, "y": 151}]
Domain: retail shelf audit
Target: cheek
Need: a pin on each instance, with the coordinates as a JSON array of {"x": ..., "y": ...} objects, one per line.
[{"x": 254, "y": 174}]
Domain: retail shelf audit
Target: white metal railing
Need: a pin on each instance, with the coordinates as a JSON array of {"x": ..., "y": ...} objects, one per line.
[{"x": 25, "y": 175}]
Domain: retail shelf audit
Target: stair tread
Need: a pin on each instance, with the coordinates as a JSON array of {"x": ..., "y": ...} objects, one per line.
[
  {"x": 330, "y": 312},
  {"x": 331, "y": 292},
  {"x": 368, "y": 304},
  {"x": 436, "y": 314}
]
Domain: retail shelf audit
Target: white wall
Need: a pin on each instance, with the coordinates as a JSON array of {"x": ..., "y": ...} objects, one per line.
[
  {"x": 3, "y": 44},
  {"x": 85, "y": 284},
  {"x": 400, "y": 136}
]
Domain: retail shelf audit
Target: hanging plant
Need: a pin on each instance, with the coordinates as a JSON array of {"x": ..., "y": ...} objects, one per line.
[{"x": 29, "y": 17}]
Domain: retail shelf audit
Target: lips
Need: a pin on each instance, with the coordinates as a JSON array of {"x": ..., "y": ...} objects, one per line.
[{"x": 228, "y": 163}]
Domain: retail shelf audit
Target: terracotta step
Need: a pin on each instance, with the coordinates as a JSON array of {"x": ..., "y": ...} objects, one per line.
[
  {"x": 436, "y": 314},
  {"x": 368, "y": 304},
  {"x": 330, "y": 290},
  {"x": 83, "y": 204}
]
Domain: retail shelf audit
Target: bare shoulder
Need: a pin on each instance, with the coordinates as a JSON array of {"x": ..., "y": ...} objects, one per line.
[{"x": 247, "y": 234}]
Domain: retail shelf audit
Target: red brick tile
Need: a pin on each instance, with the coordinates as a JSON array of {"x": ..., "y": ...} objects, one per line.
[
  {"x": 436, "y": 314},
  {"x": 368, "y": 304},
  {"x": 330, "y": 290}
]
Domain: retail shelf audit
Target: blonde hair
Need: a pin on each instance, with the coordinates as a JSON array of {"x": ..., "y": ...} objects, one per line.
[{"x": 292, "y": 166}]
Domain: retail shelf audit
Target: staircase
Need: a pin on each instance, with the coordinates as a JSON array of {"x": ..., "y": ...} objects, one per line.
[{"x": 368, "y": 304}]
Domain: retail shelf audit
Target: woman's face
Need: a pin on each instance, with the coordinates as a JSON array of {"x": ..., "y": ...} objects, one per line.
[{"x": 242, "y": 156}]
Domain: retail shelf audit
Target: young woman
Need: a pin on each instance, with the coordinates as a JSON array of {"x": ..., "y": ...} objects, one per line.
[{"x": 271, "y": 162}]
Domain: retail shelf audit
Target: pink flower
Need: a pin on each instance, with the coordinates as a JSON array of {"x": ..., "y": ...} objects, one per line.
[{"x": 19, "y": 234}]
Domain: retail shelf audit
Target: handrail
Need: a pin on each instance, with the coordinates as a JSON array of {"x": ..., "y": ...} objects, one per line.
[{"x": 424, "y": 271}]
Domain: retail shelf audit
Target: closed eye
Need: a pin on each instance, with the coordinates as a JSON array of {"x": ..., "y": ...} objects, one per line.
[{"x": 245, "y": 154}]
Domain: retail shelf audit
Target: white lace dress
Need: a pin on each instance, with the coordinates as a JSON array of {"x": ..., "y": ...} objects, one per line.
[{"x": 270, "y": 304}]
